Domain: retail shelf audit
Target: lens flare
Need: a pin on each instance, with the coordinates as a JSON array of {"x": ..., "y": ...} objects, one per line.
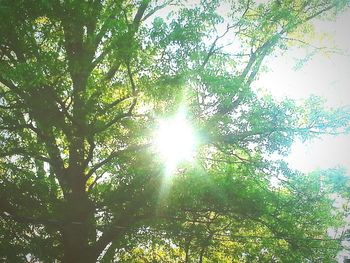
[{"x": 175, "y": 140}]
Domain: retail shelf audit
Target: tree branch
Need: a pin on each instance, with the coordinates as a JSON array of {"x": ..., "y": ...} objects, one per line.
[
  {"x": 154, "y": 10},
  {"x": 24, "y": 152},
  {"x": 139, "y": 14},
  {"x": 8, "y": 211},
  {"x": 114, "y": 155}
]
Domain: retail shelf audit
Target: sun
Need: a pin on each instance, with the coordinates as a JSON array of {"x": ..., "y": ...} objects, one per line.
[{"x": 175, "y": 140}]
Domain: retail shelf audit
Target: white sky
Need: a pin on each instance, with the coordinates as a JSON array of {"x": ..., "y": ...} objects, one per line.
[{"x": 325, "y": 76}]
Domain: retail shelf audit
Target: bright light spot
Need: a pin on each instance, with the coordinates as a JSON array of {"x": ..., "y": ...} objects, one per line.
[{"x": 175, "y": 141}]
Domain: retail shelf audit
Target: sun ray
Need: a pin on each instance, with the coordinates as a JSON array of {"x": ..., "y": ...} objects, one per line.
[{"x": 175, "y": 141}]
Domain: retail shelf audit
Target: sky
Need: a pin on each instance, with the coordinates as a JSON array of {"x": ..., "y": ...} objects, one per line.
[{"x": 325, "y": 75}]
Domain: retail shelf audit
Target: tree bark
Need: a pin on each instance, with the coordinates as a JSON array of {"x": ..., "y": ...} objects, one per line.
[
  {"x": 201, "y": 255},
  {"x": 187, "y": 251},
  {"x": 78, "y": 213}
]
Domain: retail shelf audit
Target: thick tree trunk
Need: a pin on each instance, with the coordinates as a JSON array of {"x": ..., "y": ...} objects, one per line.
[
  {"x": 77, "y": 214},
  {"x": 77, "y": 254}
]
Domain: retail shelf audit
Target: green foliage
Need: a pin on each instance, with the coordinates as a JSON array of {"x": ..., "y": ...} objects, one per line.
[{"x": 83, "y": 84}]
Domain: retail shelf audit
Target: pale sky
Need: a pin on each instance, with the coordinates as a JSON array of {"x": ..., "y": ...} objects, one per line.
[{"x": 325, "y": 76}]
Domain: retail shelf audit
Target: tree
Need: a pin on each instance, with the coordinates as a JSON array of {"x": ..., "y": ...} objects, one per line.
[{"x": 83, "y": 84}]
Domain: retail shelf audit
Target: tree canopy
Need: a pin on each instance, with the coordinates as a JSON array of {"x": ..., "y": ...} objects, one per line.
[{"x": 84, "y": 84}]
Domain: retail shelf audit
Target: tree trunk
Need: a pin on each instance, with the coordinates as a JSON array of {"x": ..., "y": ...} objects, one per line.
[
  {"x": 187, "y": 250},
  {"x": 187, "y": 255},
  {"x": 78, "y": 212},
  {"x": 201, "y": 255}
]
